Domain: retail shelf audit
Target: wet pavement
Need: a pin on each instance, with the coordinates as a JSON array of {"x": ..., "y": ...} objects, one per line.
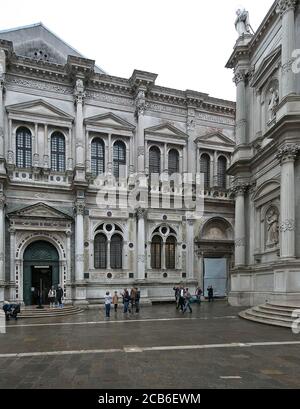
[{"x": 157, "y": 348}]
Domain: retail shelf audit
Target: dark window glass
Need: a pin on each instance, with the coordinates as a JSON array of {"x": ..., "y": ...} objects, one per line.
[
  {"x": 97, "y": 156},
  {"x": 24, "y": 148},
  {"x": 173, "y": 162},
  {"x": 58, "y": 152},
  {"x": 154, "y": 160},
  {"x": 205, "y": 169},
  {"x": 119, "y": 159},
  {"x": 156, "y": 248},
  {"x": 170, "y": 253},
  {"x": 116, "y": 250},
  {"x": 222, "y": 166},
  {"x": 100, "y": 251}
]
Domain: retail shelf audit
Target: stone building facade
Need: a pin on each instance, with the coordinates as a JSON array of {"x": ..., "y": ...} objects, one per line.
[
  {"x": 64, "y": 122},
  {"x": 265, "y": 164}
]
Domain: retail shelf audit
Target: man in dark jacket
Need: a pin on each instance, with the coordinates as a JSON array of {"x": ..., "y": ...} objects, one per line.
[
  {"x": 210, "y": 291},
  {"x": 59, "y": 295}
]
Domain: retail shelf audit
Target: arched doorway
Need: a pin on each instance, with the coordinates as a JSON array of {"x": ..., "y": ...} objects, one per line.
[{"x": 41, "y": 270}]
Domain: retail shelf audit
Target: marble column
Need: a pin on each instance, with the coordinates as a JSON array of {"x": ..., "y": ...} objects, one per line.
[
  {"x": 79, "y": 241},
  {"x": 287, "y": 155},
  {"x": 80, "y": 142},
  {"x": 240, "y": 228},
  {"x": 141, "y": 259},
  {"x": 241, "y": 117},
  {"x": 190, "y": 249},
  {"x": 2, "y": 246},
  {"x": 286, "y": 9},
  {"x": 140, "y": 103},
  {"x": 2, "y": 71}
]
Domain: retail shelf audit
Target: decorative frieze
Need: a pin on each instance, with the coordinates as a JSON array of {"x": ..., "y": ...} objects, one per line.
[
  {"x": 112, "y": 99},
  {"x": 38, "y": 85},
  {"x": 213, "y": 118}
]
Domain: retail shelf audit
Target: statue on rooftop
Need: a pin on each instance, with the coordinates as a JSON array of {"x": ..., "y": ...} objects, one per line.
[{"x": 242, "y": 22}]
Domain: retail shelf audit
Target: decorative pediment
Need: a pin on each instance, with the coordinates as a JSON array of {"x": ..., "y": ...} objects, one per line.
[
  {"x": 109, "y": 120},
  {"x": 39, "y": 211},
  {"x": 271, "y": 187},
  {"x": 166, "y": 130},
  {"x": 39, "y": 109},
  {"x": 266, "y": 68},
  {"x": 215, "y": 139}
]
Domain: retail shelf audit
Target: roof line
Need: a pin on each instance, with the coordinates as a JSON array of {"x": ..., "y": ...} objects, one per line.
[{"x": 51, "y": 32}]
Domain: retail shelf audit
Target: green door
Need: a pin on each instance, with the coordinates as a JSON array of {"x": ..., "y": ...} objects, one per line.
[{"x": 39, "y": 257}]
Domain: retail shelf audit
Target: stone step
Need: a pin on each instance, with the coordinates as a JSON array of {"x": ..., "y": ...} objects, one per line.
[
  {"x": 269, "y": 311},
  {"x": 266, "y": 321},
  {"x": 49, "y": 312},
  {"x": 287, "y": 306},
  {"x": 260, "y": 315},
  {"x": 276, "y": 309}
]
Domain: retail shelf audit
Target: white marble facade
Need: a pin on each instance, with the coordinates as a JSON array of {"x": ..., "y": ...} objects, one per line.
[
  {"x": 265, "y": 164},
  {"x": 47, "y": 88}
]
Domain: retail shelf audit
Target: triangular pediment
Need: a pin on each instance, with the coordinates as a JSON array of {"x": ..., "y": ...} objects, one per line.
[
  {"x": 109, "y": 120},
  {"x": 39, "y": 108},
  {"x": 166, "y": 129},
  {"x": 266, "y": 68},
  {"x": 40, "y": 211},
  {"x": 216, "y": 138}
]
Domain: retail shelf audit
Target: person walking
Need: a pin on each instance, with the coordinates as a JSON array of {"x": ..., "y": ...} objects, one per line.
[
  {"x": 210, "y": 291},
  {"x": 132, "y": 298},
  {"x": 115, "y": 300},
  {"x": 51, "y": 296},
  {"x": 177, "y": 293},
  {"x": 198, "y": 294},
  {"x": 181, "y": 298},
  {"x": 137, "y": 300},
  {"x": 107, "y": 302},
  {"x": 187, "y": 301}
]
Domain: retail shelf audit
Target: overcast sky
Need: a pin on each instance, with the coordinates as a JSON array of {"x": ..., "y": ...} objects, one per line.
[{"x": 186, "y": 42}]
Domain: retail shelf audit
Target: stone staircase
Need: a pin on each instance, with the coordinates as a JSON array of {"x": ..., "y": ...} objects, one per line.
[
  {"x": 273, "y": 313},
  {"x": 46, "y": 312}
]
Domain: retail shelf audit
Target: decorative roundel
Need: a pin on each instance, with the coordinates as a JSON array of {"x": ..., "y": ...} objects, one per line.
[
  {"x": 131, "y": 245},
  {"x": 86, "y": 244},
  {"x": 184, "y": 247},
  {"x": 165, "y": 217},
  {"x": 109, "y": 214},
  {"x": 109, "y": 275},
  {"x": 165, "y": 275},
  {"x": 108, "y": 227},
  {"x": 164, "y": 230}
]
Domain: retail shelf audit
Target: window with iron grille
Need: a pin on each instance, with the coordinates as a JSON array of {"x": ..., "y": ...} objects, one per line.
[
  {"x": 58, "y": 152},
  {"x": 173, "y": 162},
  {"x": 205, "y": 169},
  {"x": 24, "y": 148},
  {"x": 100, "y": 251},
  {"x": 116, "y": 251},
  {"x": 170, "y": 253},
  {"x": 97, "y": 156},
  {"x": 119, "y": 159},
  {"x": 154, "y": 160},
  {"x": 222, "y": 166},
  {"x": 156, "y": 248}
]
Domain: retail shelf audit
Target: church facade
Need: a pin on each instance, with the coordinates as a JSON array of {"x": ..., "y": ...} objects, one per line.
[
  {"x": 69, "y": 135},
  {"x": 265, "y": 164}
]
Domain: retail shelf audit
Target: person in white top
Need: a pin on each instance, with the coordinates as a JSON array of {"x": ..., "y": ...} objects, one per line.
[
  {"x": 52, "y": 296},
  {"x": 107, "y": 301}
]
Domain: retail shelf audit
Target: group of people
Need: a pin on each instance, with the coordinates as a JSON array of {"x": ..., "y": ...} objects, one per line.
[
  {"x": 131, "y": 301},
  {"x": 184, "y": 298},
  {"x": 56, "y": 297}
]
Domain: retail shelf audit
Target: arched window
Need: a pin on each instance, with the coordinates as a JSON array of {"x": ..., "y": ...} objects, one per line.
[
  {"x": 170, "y": 253},
  {"x": 222, "y": 166},
  {"x": 97, "y": 156},
  {"x": 58, "y": 152},
  {"x": 119, "y": 158},
  {"x": 156, "y": 247},
  {"x": 116, "y": 250},
  {"x": 205, "y": 169},
  {"x": 154, "y": 160},
  {"x": 24, "y": 148},
  {"x": 100, "y": 251},
  {"x": 173, "y": 162}
]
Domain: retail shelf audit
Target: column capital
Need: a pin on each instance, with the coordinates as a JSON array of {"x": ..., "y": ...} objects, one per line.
[
  {"x": 79, "y": 92},
  {"x": 287, "y": 225},
  {"x": 284, "y": 6},
  {"x": 287, "y": 153},
  {"x": 141, "y": 213},
  {"x": 140, "y": 103},
  {"x": 240, "y": 189},
  {"x": 79, "y": 207},
  {"x": 239, "y": 76}
]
